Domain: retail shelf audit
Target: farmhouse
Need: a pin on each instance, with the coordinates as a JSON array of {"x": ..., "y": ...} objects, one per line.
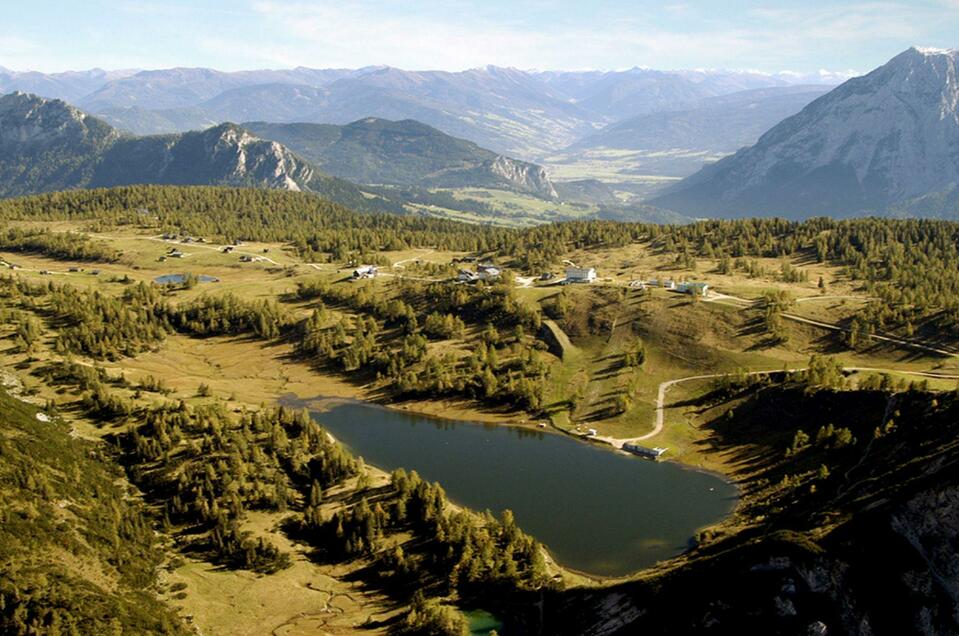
[
  {"x": 467, "y": 276},
  {"x": 693, "y": 288},
  {"x": 580, "y": 274},
  {"x": 365, "y": 271},
  {"x": 488, "y": 273}
]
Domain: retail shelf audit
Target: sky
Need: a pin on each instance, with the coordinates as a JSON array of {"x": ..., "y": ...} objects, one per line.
[{"x": 789, "y": 35}]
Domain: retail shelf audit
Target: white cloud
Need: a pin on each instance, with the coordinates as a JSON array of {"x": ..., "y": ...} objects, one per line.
[{"x": 363, "y": 33}]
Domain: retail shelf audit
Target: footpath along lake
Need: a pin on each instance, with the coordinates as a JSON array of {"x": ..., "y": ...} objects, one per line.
[{"x": 598, "y": 511}]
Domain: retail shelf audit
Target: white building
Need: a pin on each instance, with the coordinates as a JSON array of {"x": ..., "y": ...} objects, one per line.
[
  {"x": 365, "y": 271},
  {"x": 580, "y": 274},
  {"x": 467, "y": 276},
  {"x": 693, "y": 289}
]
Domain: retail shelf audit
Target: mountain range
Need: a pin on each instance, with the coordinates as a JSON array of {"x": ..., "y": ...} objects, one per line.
[
  {"x": 524, "y": 114},
  {"x": 48, "y": 145},
  {"x": 884, "y": 143}
]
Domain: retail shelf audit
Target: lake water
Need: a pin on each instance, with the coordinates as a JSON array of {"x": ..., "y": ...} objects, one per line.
[
  {"x": 598, "y": 511},
  {"x": 179, "y": 279}
]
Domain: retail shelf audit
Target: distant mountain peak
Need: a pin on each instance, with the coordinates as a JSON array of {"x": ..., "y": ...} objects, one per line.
[
  {"x": 29, "y": 119},
  {"x": 931, "y": 51},
  {"x": 875, "y": 144}
]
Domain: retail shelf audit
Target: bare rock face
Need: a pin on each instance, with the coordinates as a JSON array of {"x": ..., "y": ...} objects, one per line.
[
  {"x": 525, "y": 176},
  {"x": 876, "y": 143}
]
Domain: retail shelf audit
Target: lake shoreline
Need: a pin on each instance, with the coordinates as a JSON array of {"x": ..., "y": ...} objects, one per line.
[
  {"x": 550, "y": 428},
  {"x": 484, "y": 466}
]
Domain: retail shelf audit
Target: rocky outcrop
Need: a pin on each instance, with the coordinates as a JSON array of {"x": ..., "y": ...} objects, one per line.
[{"x": 524, "y": 176}]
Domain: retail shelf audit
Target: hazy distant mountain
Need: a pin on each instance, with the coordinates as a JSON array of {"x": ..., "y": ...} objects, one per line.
[
  {"x": 143, "y": 121},
  {"x": 885, "y": 142},
  {"x": 48, "y": 145},
  {"x": 69, "y": 86},
  {"x": 518, "y": 113},
  {"x": 188, "y": 87},
  {"x": 716, "y": 125},
  {"x": 404, "y": 152}
]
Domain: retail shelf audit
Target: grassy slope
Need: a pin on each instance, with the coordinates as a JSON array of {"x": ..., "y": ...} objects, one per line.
[{"x": 75, "y": 549}]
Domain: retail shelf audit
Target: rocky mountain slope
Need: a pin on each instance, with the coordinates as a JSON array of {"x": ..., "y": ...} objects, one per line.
[
  {"x": 69, "y": 86},
  {"x": 887, "y": 142},
  {"x": 380, "y": 151},
  {"x": 48, "y": 145}
]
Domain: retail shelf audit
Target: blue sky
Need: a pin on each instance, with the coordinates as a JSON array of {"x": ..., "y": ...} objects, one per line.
[{"x": 802, "y": 36}]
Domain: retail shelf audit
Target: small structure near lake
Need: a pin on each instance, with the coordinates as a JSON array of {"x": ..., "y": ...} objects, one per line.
[{"x": 643, "y": 451}]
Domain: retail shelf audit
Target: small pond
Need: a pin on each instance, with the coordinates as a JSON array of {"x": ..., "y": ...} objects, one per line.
[{"x": 179, "y": 279}]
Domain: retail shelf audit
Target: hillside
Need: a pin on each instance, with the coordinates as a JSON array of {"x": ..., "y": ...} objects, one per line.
[
  {"x": 405, "y": 152},
  {"x": 882, "y": 143},
  {"x": 48, "y": 145},
  {"x": 849, "y": 534},
  {"x": 77, "y": 551}
]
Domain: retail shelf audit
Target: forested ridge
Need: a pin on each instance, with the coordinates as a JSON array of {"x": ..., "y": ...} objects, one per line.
[
  {"x": 911, "y": 264},
  {"x": 202, "y": 468}
]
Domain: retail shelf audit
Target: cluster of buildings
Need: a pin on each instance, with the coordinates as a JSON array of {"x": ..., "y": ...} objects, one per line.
[
  {"x": 182, "y": 238},
  {"x": 484, "y": 271}
]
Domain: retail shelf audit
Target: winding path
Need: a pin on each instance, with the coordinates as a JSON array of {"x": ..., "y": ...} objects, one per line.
[{"x": 660, "y": 418}]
